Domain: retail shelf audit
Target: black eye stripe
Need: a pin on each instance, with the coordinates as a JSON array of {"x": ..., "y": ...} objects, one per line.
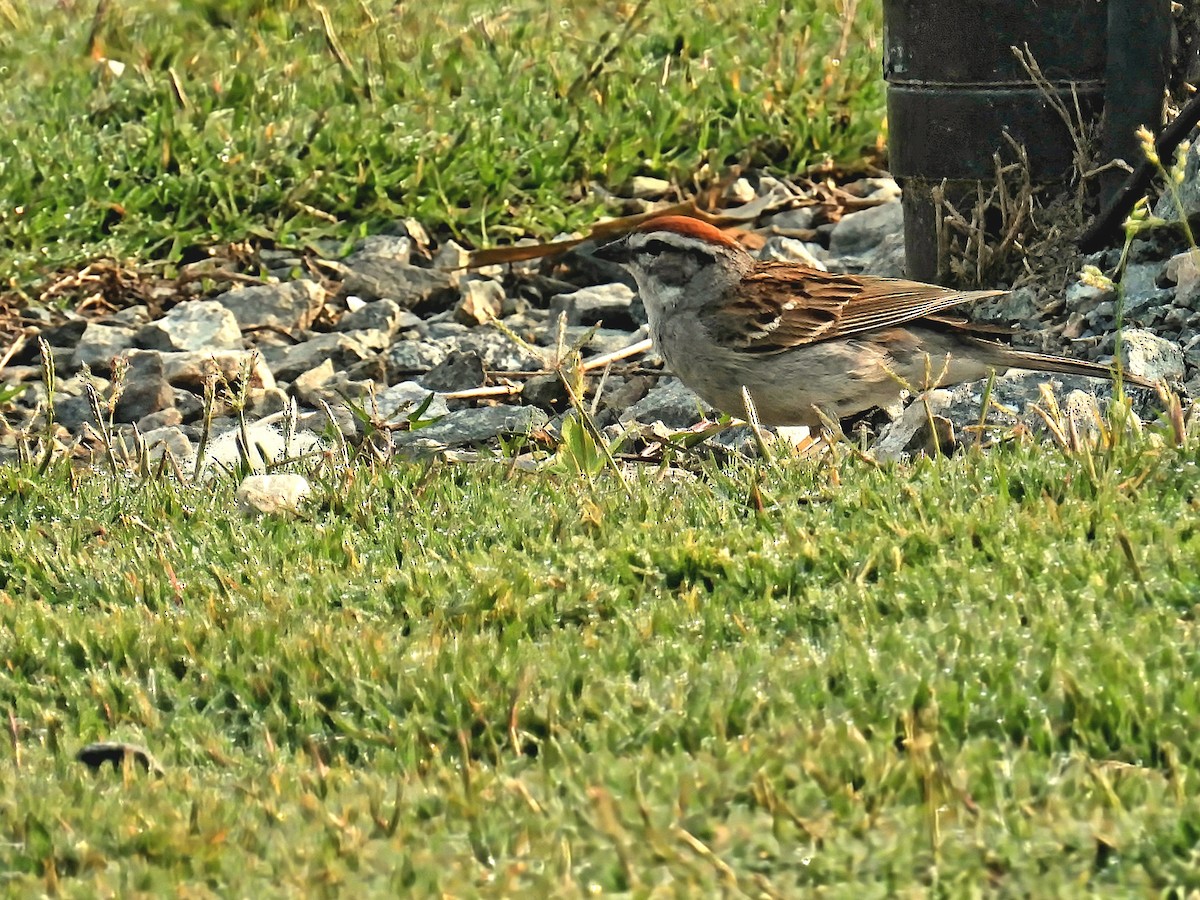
[{"x": 655, "y": 248}]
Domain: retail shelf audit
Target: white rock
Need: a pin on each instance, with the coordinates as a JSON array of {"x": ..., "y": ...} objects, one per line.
[
  {"x": 741, "y": 191},
  {"x": 896, "y": 438},
  {"x": 289, "y": 306},
  {"x": 194, "y": 325},
  {"x": 282, "y": 492},
  {"x": 644, "y": 187},
  {"x": 786, "y": 249},
  {"x": 1150, "y": 356},
  {"x": 1083, "y": 411},
  {"x": 168, "y": 438},
  {"x": 267, "y": 444}
]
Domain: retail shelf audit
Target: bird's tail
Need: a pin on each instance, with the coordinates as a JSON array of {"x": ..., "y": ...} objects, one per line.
[{"x": 1045, "y": 362}]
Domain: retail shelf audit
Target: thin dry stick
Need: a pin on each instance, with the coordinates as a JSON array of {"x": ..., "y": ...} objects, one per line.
[
  {"x": 487, "y": 390},
  {"x": 598, "y": 362},
  {"x": 17, "y": 346},
  {"x": 1076, "y": 128}
]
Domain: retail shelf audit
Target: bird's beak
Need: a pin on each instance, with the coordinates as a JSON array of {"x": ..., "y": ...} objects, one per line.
[{"x": 614, "y": 251}]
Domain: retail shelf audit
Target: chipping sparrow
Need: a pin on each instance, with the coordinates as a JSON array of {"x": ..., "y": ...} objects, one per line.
[{"x": 797, "y": 338}]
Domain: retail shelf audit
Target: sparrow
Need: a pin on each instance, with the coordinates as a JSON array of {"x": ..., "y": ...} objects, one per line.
[{"x": 799, "y": 339}]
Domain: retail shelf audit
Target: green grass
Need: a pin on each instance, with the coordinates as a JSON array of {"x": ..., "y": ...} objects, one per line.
[
  {"x": 965, "y": 676},
  {"x": 234, "y": 120},
  {"x": 950, "y": 676}
]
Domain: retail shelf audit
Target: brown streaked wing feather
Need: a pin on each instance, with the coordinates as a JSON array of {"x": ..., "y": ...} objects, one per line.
[{"x": 819, "y": 306}]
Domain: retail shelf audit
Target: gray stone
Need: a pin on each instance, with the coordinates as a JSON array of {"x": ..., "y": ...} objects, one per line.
[
  {"x": 130, "y": 316},
  {"x": 380, "y": 315},
  {"x": 164, "y": 418},
  {"x": 1085, "y": 296},
  {"x": 671, "y": 403},
  {"x": 860, "y": 232},
  {"x": 1140, "y": 290},
  {"x": 308, "y": 386},
  {"x": 101, "y": 343},
  {"x": 498, "y": 352},
  {"x": 909, "y": 432},
  {"x": 799, "y": 219},
  {"x": 1146, "y": 354},
  {"x": 1176, "y": 315},
  {"x": 319, "y": 422},
  {"x": 887, "y": 260},
  {"x": 72, "y": 413},
  {"x": 375, "y": 277},
  {"x": 1013, "y": 396},
  {"x": 481, "y": 301},
  {"x": 876, "y": 188},
  {"x": 740, "y": 191},
  {"x": 146, "y": 388},
  {"x": 439, "y": 327},
  {"x": 76, "y": 385},
  {"x": 342, "y": 348},
  {"x": 1184, "y": 270},
  {"x": 385, "y": 246},
  {"x": 1012, "y": 307},
  {"x": 459, "y": 371},
  {"x": 621, "y": 393},
  {"x": 1191, "y": 352},
  {"x": 267, "y": 444},
  {"x": 290, "y": 306},
  {"x": 1073, "y": 328},
  {"x": 189, "y": 405},
  {"x": 607, "y": 303},
  {"x": 187, "y": 369},
  {"x": 452, "y": 258},
  {"x": 263, "y": 402},
  {"x": 1188, "y": 192},
  {"x": 67, "y": 334},
  {"x": 545, "y": 391},
  {"x": 404, "y": 399},
  {"x": 592, "y": 341},
  {"x": 1083, "y": 412},
  {"x": 1103, "y": 312},
  {"x": 168, "y": 438},
  {"x": 471, "y": 426},
  {"x": 193, "y": 325},
  {"x": 415, "y": 357}
]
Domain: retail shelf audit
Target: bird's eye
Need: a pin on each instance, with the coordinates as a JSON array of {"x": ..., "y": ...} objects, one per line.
[{"x": 657, "y": 248}]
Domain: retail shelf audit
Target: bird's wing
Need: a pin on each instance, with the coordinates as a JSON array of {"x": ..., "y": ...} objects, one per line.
[{"x": 780, "y": 306}]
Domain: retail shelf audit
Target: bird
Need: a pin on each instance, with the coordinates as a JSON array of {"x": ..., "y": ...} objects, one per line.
[{"x": 807, "y": 345}]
